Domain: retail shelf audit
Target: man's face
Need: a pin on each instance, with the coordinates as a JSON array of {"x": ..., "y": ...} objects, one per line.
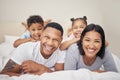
[{"x": 50, "y": 41}]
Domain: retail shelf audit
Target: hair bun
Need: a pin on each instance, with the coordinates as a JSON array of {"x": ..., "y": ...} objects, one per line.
[
  {"x": 72, "y": 19},
  {"x": 84, "y": 17}
]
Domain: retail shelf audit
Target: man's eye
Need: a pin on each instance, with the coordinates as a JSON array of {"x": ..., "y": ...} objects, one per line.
[{"x": 87, "y": 40}]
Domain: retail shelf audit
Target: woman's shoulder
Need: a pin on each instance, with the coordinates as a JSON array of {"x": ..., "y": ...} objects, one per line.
[
  {"x": 73, "y": 47},
  {"x": 73, "y": 51}
]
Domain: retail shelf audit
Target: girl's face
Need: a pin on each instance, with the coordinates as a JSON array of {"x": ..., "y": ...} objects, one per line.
[
  {"x": 78, "y": 27},
  {"x": 91, "y": 43},
  {"x": 35, "y": 30}
]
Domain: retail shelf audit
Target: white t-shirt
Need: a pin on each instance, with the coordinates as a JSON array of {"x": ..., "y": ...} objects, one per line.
[
  {"x": 31, "y": 51},
  {"x": 26, "y": 35}
]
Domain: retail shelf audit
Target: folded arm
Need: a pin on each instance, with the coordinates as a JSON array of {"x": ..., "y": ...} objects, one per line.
[{"x": 35, "y": 68}]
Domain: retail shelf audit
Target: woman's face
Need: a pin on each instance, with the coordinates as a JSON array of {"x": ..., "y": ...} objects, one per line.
[
  {"x": 91, "y": 43},
  {"x": 78, "y": 27}
]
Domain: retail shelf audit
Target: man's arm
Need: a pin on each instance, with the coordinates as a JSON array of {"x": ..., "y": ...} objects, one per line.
[
  {"x": 32, "y": 67},
  {"x": 11, "y": 69},
  {"x": 59, "y": 66}
]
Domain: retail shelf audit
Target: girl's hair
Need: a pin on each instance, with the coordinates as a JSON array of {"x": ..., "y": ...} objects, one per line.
[
  {"x": 96, "y": 28},
  {"x": 84, "y": 19},
  {"x": 34, "y": 19}
]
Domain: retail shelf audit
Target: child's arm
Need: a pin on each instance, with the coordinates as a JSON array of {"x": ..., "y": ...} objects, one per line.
[
  {"x": 66, "y": 44},
  {"x": 69, "y": 31},
  {"x": 20, "y": 41},
  {"x": 47, "y": 21}
]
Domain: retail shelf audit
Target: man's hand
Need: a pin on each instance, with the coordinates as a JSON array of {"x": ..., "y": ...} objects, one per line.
[
  {"x": 34, "y": 68},
  {"x": 30, "y": 66}
]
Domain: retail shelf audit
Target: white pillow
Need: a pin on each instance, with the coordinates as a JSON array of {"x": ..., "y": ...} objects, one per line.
[
  {"x": 5, "y": 49},
  {"x": 10, "y": 39}
]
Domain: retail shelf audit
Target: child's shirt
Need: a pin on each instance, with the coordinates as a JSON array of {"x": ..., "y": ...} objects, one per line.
[
  {"x": 26, "y": 35},
  {"x": 69, "y": 38}
]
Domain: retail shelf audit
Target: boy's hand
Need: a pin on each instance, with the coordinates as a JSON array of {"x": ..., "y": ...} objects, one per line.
[{"x": 32, "y": 40}]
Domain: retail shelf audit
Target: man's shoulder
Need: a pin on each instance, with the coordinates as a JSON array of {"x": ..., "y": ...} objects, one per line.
[{"x": 30, "y": 44}]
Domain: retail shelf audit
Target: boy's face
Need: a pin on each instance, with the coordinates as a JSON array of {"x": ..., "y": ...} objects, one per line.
[
  {"x": 50, "y": 41},
  {"x": 35, "y": 30}
]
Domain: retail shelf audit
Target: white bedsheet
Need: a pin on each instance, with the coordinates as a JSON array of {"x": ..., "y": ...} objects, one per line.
[{"x": 81, "y": 74}]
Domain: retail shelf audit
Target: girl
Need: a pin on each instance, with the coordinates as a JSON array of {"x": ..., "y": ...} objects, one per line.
[{"x": 78, "y": 26}]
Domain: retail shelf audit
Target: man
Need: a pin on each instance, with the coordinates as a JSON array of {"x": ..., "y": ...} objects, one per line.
[{"x": 38, "y": 57}]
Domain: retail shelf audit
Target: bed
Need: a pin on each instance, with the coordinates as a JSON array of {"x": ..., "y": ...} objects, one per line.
[{"x": 6, "y": 49}]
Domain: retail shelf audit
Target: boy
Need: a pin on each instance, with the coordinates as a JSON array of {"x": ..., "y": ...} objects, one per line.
[{"x": 35, "y": 26}]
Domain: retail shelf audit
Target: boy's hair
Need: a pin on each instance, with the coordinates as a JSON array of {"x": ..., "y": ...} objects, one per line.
[
  {"x": 34, "y": 19},
  {"x": 96, "y": 28},
  {"x": 84, "y": 19},
  {"x": 56, "y": 26}
]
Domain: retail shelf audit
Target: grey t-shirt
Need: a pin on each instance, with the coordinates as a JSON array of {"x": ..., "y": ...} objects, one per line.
[{"x": 74, "y": 60}]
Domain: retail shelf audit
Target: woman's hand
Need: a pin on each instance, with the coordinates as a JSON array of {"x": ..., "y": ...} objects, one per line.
[{"x": 99, "y": 71}]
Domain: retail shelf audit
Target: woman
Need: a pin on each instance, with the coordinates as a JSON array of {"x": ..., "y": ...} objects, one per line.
[{"x": 90, "y": 52}]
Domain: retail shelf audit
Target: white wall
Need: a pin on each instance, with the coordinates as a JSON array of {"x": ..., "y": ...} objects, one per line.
[
  {"x": 103, "y": 12},
  {"x": 57, "y": 10},
  {"x": 111, "y": 22}
]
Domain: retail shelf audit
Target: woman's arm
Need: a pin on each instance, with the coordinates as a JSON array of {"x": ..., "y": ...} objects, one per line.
[
  {"x": 109, "y": 64},
  {"x": 99, "y": 71}
]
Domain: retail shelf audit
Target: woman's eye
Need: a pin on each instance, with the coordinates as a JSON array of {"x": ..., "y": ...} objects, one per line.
[
  {"x": 97, "y": 41},
  {"x": 40, "y": 29},
  {"x": 81, "y": 27}
]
